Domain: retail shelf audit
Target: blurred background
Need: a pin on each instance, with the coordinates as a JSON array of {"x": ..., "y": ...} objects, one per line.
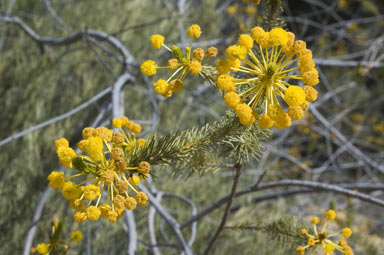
[{"x": 52, "y": 90}]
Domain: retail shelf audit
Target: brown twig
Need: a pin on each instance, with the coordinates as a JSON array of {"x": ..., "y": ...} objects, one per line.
[{"x": 238, "y": 168}]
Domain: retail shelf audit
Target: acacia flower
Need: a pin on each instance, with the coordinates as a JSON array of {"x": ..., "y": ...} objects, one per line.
[
  {"x": 182, "y": 64},
  {"x": 264, "y": 63},
  {"x": 103, "y": 164},
  {"x": 320, "y": 237}
]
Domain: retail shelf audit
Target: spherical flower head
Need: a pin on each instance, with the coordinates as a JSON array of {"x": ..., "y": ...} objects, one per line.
[
  {"x": 290, "y": 41},
  {"x": 232, "y": 99},
  {"x": 329, "y": 248},
  {"x": 347, "y": 232},
  {"x": 62, "y": 142},
  {"x": 310, "y": 93},
  {"x": 274, "y": 110},
  {"x": 212, "y": 52},
  {"x": 173, "y": 64},
  {"x": 198, "y": 54},
  {"x": 117, "y": 123},
  {"x": 348, "y": 250},
  {"x": 93, "y": 213},
  {"x": 143, "y": 167},
  {"x": 77, "y": 204},
  {"x": 107, "y": 176},
  {"x": 303, "y": 231},
  {"x": 91, "y": 191},
  {"x": 226, "y": 82},
  {"x": 117, "y": 153},
  {"x": 304, "y": 53},
  {"x": 265, "y": 40},
  {"x": 157, "y": 40},
  {"x": 257, "y": 33},
  {"x": 140, "y": 142},
  {"x": 141, "y": 198},
  {"x": 112, "y": 216},
  {"x": 83, "y": 145},
  {"x": 194, "y": 67},
  {"x": 194, "y": 31},
  {"x": 120, "y": 164},
  {"x": 161, "y": 87},
  {"x": 95, "y": 148},
  {"x": 176, "y": 85},
  {"x": 118, "y": 201},
  {"x": 76, "y": 236},
  {"x": 80, "y": 216},
  {"x": 283, "y": 121},
  {"x": 306, "y": 64},
  {"x": 300, "y": 250},
  {"x": 222, "y": 66},
  {"x": 42, "y": 248},
  {"x": 236, "y": 52},
  {"x": 88, "y": 132},
  {"x": 148, "y": 68},
  {"x": 104, "y": 133},
  {"x": 305, "y": 105},
  {"x": 311, "y": 241},
  {"x": 118, "y": 138},
  {"x": 311, "y": 78},
  {"x": 295, "y": 112},
  {"x": 66, "y": 155},
  {"x": 70, "y": 191},
  {"x": 245, "y": 41},
  {"x": 330, "y": 214},
  {"x": 130, "y": 203},
  {"x": 105, "y": 209},
  {"x": 136, "y": 128},
  {"x": 299, "y": 45},
  {"x": 245, "y": 114},
  {"x": 278, "y": 37},
  {"x": 294, "y": 96},
  {"x": 122, "y": 186},
  {"x": 265, "y": 121},
  {"x": 56, "y": 180},
  {"x": 234, "y": 64},
  {"x": 315, "y": 220},
  {"x": 134, "y": 180}
]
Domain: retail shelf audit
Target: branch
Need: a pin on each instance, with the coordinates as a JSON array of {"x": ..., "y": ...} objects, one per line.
[
  {"x": 341, "y": 188},
  {"x": 238, "y": 168}
]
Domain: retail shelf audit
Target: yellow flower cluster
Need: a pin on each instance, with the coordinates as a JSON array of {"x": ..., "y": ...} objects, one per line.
[
  {"x": 321, "y": 237},
  {"x": 180, "y": 64},
  {"x": 57, "y": 245},
  {"x": 264, "y": 63},
  {"x": 104, "y": 164}
]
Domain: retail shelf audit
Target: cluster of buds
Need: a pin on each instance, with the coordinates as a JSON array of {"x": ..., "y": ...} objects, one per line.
[
  {"x": 57, "y": 245},
  {"x": 104, "y": 164},
  {"x": 180, "y": 64},
  {"x": 256, "y": 72},
  {"x": 321, "y": 238}
]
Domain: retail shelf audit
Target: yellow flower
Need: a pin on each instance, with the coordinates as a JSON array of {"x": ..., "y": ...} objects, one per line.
[
  {"x": 66, "y": 155},
  {"x": 347, "y": 232},
  {"x": 88, "y": 132},
  {"x": 157, "y": 41},
  {"x": 294, "y": 96},
  {"x": 134, "y": 180},
  {"x": 148, "y": 67},
  {"x": 130, "y": 203},
  {"x": 42, "y": 248},
  {"x": 311, "y": 78},
  {"x": 194, "y": 67},
  {"x": 245, "y": 114},
  {"x": 80, "y": 216},
  {"x": 176, "y": 85},
  {"x": 117, "y": 123},
  {"x": 70, "y": 191},
  {"x": 76, "y": 236},
  {"x": 91, "y": 191},
  {"x": 62, "y": 142},
  {"x": 315, "y": 220},
  {"x": 226, "y": 82},
  {"x": 232, "y": 99},
  {"x": 141, "y": 198},
  {"x": 262, "y": 70},
  {"x": 329, "y": 248},
  {"x": 173, "y": 64},
  {"x": 198, "y": 54},
  {"x": 211, "y": 52},
  {"x": 56, "y": 180},
  {"x": 194, "y": 31},
  {"x": 310, "y": 94},
  {"x": 330, "y": 215},
  {"x": 95, "y": 148},
  {"x": 93, "y": 213},
  {"x": 161, "y": 87}
]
